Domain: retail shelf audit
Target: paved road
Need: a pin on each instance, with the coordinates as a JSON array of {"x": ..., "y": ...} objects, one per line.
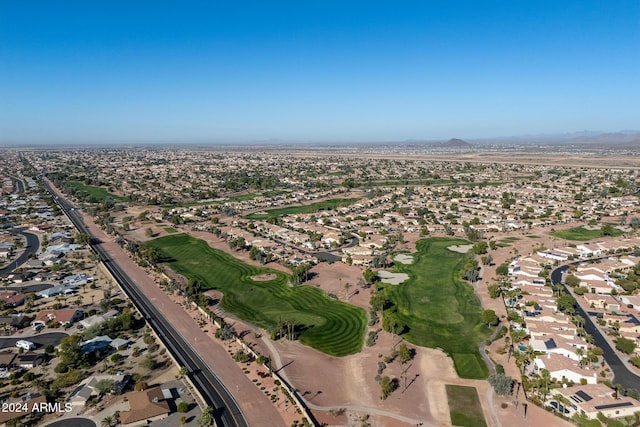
[
  {"x": 33, "y": 243},
  {"x": 30, "y": 288},
  {"x": 73, "y": 422},
  {"x": 226, "y": 410},
  {"x": 622, "y": 374},
  {"x": 40, "y": 340}
]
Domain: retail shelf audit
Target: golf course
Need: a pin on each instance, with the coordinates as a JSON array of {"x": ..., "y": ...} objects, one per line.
[
  {"x": 330, "y": 204},
  {"x": 583, "y": 234},
  {"x": 328, "y": 325},
  {"x": 440, "y": 309}
]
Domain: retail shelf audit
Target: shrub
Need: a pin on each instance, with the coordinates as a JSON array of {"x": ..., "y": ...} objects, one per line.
[
  {"x": 61, "y": 368},
  {"x": 183, "y": 407}
]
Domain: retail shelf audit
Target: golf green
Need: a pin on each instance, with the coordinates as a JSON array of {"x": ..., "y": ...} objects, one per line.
[{"x": 328, "y": 325}]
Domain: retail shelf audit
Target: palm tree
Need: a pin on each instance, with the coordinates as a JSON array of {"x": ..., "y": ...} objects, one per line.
[
  {"x": 545, "y": 376},
  {"x": 580, "y": 353},
  {"x": 107, "y": 421}
]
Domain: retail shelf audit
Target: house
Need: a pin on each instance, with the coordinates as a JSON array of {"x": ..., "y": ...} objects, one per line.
[
  {"x": 95, "y": 344},
  {"x": 98, "y": 319},
  {"x": 561, "y": 367},
  {"x": 29, "y": 360},
  {"x": 12, "y": 299},
  {"x": 57, "y": 290},
  {"x": 65, "y": 316},
  {"x": 77, "y": 279},
  {"x": 15, "y": 407},
  {"x": 81, "y": 394},
  {"x": 605, "y": 302},
  {"x": 591, "y": 399},
  {"x": 144, "y": 407},
  {"x": 10, "y": 324}
]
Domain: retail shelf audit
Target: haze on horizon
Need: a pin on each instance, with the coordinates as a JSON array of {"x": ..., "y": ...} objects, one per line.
[{"x": 319, "y": 71}]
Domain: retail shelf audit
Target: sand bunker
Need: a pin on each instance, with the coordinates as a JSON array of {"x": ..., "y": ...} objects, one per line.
[
  {"x": 264, "y": 277},
  {"x": 392, "y": 278},
  {"x": 463, "y": 249},
  {"x": 404, "y": 259}
]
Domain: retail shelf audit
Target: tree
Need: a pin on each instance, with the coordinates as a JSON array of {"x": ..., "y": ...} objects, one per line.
[
  {"x": 107, "y": 421},
  {"x": 571, "y": 280},
  {"x": 503, "y": 269},
  {"x": 387, "y": 386},
  {"x": 183, "y": 407},
  {"x": 253, "y": 253},
  {"x": 607, "y": 230},
  {"x": 479, "y": 248},
  {"x": 104, "y": 386},
  {"x": 404, "y": 354},
  {"x": 70, "y": 352},
  {"x": 502, "y": 384},
  {"x": 625, "y": 345},
  {"x": 391, "y": 323},
  {"x": 148, "y": 363},
  {"x": 206, "y": 419},
  {"x": 82, "y": 238},
  {"x": 495, "y": 291},
  {"x": 490, "y": 318},
  {"x": 566, "y": 303},
  {"x": 370, "y": 276}
]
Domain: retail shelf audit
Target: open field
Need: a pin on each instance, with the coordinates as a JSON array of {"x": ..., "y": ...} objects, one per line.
[
  {"x": 582, "y": 234},
  {"x": 464, "y": 406},
  {"x": 92, "y": 194},
  {"x": 330, "y": 326},
  {"x": 330, "y": 204},
  {"x": 440, "y": 309}
]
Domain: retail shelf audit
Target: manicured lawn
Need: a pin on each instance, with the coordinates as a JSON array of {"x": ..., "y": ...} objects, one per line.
[
  {"x": 440, "y": 309},
  {"x": 170, "y": 230},
  {"x": 330, "y": 326},
  {"x": 93, "y": 194},
  {"x": 464, "y": 406},
  {"x": 582, "y": 234},
  {"x": 303, "y": 209}
]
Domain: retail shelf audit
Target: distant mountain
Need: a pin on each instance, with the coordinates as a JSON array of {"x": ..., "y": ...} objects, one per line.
[
  {"x": 622, "y": 139},
  {"x": 455, "y": 143}
]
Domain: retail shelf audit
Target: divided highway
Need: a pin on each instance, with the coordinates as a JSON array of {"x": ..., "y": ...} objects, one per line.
[{"x": 226, "y": 410}]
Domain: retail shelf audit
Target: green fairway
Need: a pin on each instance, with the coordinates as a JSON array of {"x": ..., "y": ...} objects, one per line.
[
  {"x": 330, "y": 326},
  {"x": 582, "y": 234},
  {"x": 92, "y": 194},
  {"x": 464, "y": 406},
  {"x": 303, "y": 209},
  {"x": 440, "y": 309}
]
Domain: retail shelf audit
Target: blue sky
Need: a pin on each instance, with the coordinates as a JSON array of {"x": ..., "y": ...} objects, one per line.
[{"x": 238, "y": 71}]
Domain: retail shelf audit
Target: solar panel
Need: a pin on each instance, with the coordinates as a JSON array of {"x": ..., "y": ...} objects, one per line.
[
  {"x": 583, "y": 395},
  {"x": 550, "y": 343},
  {"x": 613, "y": 405}
]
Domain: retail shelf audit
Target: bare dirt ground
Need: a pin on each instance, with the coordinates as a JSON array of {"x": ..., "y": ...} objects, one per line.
[{"x": 523, "y": 158}]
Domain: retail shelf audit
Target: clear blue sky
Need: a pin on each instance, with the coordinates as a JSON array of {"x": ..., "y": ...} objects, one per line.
[{"x": 231, "y": 71}]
